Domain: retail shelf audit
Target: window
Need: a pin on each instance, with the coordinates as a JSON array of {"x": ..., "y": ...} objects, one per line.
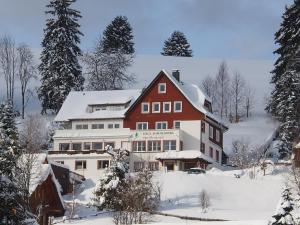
[
  {"x": 154, "y": 146},
  {"x": 177, "y": 106},
  {"x": 217, "y": 155},
  {"x": 80, "y": 165},
  {"x": 97, "y": 145},
  {"x": 60, "y": 162},
  {"x": 161, "y": 125},
  {"x": 153, "y": 166},
  {"x": 137, "y": 166},
  {"x": 217, "y": 135},
  {"x": 102, "y": 164},
  {"x": 117, "y": 126},
  {"x": 87, "y": 146},
  {"x": 176, "y": 124},
  {"x": 64, "y": 146},
  {"x": 81, "y": 126},
  {"x": 211, "y": 152},
  {"x": 98, "y": 126},
  {"x": 202, "y": 149},
  {"x": 110, "y": 126},
  {"x": 145, "y": 107},
  {"x": 139, "y": 146},
  {"x": 203, "y": 127},
  {"x": 155, "y": 107},
  {"x": 211, "y": 132},
  {"x": 142, "y": 126},
  {"x": 167, "y": 107},
  {"x": 112, "y": 144},
  {"x": 162, "y": 88},
  {"x": 169, "y": 145},
  {"x": 76, "y": 146}
]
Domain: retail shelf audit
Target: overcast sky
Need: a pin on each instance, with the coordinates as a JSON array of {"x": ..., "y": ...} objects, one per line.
[{"x": 237, "y": 29}]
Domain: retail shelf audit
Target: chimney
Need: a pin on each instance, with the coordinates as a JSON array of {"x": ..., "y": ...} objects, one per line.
[{"x": 176, "y": 74}]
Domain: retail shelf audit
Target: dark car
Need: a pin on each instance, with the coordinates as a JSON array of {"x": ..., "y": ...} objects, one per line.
[{"x": 196, "y": 171}]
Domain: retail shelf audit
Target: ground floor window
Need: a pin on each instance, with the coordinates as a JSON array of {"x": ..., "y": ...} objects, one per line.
[
  {"x": 102, "y": 164},
  {"x": 80, "y": 165},
  {"x": 154, "y": 146},
  {"x": 153, "y": 166},
  {"x": 169, "y": 145},
  {"x": 138, "y": 166},
  {"x": 139, "y": 146}
]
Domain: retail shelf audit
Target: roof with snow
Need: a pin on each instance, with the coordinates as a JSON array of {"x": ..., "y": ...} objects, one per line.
[
  {"x": 76, "y": 104},
  {"x": 186, "y": 154}
]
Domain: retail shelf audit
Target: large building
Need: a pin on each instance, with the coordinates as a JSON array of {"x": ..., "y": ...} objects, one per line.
[{"x": 169, "y": 125}]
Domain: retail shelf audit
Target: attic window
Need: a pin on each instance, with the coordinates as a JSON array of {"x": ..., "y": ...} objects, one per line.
[{"x": 162, "y": 88}]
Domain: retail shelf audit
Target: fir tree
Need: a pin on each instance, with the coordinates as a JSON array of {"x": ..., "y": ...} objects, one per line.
[
  {"x": 118, "y": 36},
  {"x": 9, "y": 147},
  {"x": 288, "y": 39},
  {"x": 59, "y": 68},
  {"x": 288, "y": 109},
  {"x": 283, "y": 213},
  {"x": 177, "y": 45}
]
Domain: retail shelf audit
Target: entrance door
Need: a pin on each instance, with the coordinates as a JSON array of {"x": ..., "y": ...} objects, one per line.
[{"x": 169, "y": 166}]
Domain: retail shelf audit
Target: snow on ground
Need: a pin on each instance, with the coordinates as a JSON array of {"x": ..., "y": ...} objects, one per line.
[
  {"x": 243, "y": 200},
  {"x": 256, "y": 130}
]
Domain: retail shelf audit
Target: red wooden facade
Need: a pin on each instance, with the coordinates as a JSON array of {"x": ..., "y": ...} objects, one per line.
[{"x": 150, "y": 95}]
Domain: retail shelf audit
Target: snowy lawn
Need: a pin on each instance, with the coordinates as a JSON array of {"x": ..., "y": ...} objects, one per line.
[
  {"x": 244, "y": 201},
  {"x": 257, "y": 130}
]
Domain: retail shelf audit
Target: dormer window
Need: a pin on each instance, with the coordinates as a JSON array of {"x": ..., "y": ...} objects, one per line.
[{"x": 162, "y": 88}]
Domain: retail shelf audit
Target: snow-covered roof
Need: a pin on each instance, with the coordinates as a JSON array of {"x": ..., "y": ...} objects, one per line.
[
  {"x": 76, "y": 104},
  {"x": 186, "y": 154},
  {"x": 40, "y": 171},
  {"x": 195, "y": 96}
]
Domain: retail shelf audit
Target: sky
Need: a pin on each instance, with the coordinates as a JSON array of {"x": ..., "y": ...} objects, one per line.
[{"x": 227, "y": 29}]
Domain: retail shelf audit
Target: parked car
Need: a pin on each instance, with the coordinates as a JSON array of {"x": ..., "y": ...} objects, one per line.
[{"x": 196, "y": 171}]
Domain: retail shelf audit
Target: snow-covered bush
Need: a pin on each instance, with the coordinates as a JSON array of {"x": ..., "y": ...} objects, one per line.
[
  {"x": 204, "y": 200},
  {"x": 283, "y": 214}
]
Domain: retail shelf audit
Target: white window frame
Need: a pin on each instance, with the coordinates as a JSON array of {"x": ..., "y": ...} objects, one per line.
[
  {"x": 217, "y": 135},
  {"x": 211, "y": 132},
  {"x": 176, "y": 121},
  {"x": 174, "y": 108},
  {"x": 153, "y": 104},
  {"x": 170, "y": 107},
  {"x": 156, "y": 123},
  {"x": 160, "y": 85},
  {"x": 141, "y": 123},
  {"x": 169, "y": 145},
  {"x": 142, "y": 108}
]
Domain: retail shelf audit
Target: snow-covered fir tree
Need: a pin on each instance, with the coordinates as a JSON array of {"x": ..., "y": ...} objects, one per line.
[
  {"x": 283, "y": 214},
  {"x": 111, "y": 183},
  {"x": 288, "y": 39},
  {"x": 9, "y": 147},
  {"x": 59, "y": 68},
  {"x": 288, "y": 109},
  {"x": 118, "y": 36},
  {"x": 177, "y": 45}
]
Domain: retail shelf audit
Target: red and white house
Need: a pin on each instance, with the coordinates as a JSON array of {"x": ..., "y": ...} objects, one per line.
[{"x": 168, "y": 125}]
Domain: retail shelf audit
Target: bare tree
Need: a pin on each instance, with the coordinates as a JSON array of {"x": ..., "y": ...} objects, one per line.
[
  {"x": 222, "y": 89},
  {"x": 208, "y": 85},
  {"x": 8, "y": 64},
  {"x": 249, "y": 100},
  {"x": 26, "y": 72},
  {"x": 33, "y": 134},
  {"x": 204, "y": 200},
  {"x": 107, "y": 71},
  {"x": 237, "y": 95}
]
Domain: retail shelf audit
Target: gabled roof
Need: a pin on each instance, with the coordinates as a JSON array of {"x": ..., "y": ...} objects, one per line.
[
  {"x": 76, "y": 104},
  {"x": 190, "y": 91}
]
